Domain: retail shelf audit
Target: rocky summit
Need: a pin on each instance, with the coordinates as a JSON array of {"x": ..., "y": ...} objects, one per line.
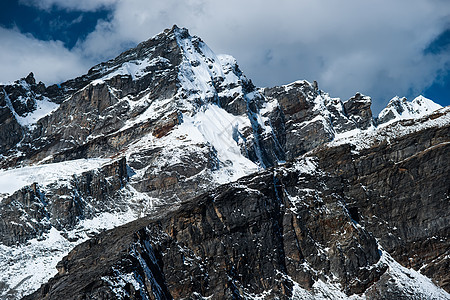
[{"x": 164, "y": 173}]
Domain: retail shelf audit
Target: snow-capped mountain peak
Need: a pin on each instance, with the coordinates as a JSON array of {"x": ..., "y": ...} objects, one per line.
[
  {"x": 400, "y": 108},
  {"x": 169, "y": 121}
]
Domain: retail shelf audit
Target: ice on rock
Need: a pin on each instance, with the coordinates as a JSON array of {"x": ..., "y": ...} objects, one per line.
[
  {"x": 14, "y": 179},
  {"x": 400, "y": 109},
  {"x": 199, "y": 67},
  {"x": 43, "y": 107},
  {"x": 25, "y": 267},
  {"x": 217, "y": 127},
  {"x": 135, "y": 68}
]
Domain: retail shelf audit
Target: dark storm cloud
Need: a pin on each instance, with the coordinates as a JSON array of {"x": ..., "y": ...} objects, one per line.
[{"x": 374, "y": 47}]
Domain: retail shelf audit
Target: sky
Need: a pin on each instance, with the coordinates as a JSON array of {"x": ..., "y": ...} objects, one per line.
[{"x": 381, "y": 48}]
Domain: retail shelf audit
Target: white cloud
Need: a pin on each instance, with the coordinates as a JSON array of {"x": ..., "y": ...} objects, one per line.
[
  {"x": 78, "y": 5},
  {"x": 374, "y": 47},
  {"x": 21, "y": 54}
]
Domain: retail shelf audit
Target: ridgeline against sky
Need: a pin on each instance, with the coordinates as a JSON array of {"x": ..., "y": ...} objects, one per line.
[{"x": 381, "y": 49}]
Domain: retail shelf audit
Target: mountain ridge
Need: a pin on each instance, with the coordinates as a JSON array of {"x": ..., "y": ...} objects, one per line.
[{"x": 170, "y": 121}]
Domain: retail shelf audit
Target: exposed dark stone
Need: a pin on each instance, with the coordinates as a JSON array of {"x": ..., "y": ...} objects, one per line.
[
  {"x": 299, "y": 133},
  {"x": 340, "y": 121},
  {"x": 401, "y": 191},
  {"x": 60, "y": 205},
  {"x": 358, "y": 110},
  {"x": 242, "y": 238},
  {"x": 10, "y": 131},
  {"x": 30, "y": 79}
]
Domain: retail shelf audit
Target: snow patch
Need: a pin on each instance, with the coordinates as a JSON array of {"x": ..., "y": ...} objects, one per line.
[
  {"x": 198, "y": 68},
  {"x": 400, "y": 108},
  {"x": 136, "y": 69},
  {"x": 221, "y": 130},
  {"x": 410, "y": 281},
  {"x": 362, "y": 139},
  {"x": 14, "y": 179},
  {"x": 24, "y": 268},
  {"x": 44, "y": 107},
  {"x": 306, "y": 165}
]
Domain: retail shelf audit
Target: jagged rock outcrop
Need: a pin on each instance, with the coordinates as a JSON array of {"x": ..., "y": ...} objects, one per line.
[
  {"x": 312, "y": 118},
  {"x": 33, "y": 210},
  {"x": 400, "y": 192},
  {"x": 17, "y": 101},
  {"x": 300, "y": 131},
  {"x": 358, "y": 110},
  {"x": 10, "y": 130}
]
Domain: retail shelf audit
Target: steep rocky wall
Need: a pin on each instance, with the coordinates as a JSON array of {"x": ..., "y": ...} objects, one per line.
[
  {"x": 250, "y": 237},
  {"x": 311, "y": 118},
  {"x": 313, "y": 219},
  {"x": 33, "y": 210},
  {"x": 10, "y": 131},
  {"x": 400, "y": 192}
]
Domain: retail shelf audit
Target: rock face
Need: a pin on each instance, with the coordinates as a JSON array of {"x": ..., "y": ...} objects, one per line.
[
  {"x": 400, "y": 193},
  {"x": 61, "y": 204},
  {"x": 312, "y": 118},
  {"x": 278, "y": 231},
  {"x": 10, "y": 130},
  {"x": 358, "y": 108},
  {"x": 231, "y": 191},
  {"x": 17, "y": 101},
  {"x": 245, "y": 238}
]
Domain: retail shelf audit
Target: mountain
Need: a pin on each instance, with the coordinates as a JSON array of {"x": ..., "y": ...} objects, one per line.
[
  {"x": 402, "y": 109},
  {"x": 165, "y": 173}
]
